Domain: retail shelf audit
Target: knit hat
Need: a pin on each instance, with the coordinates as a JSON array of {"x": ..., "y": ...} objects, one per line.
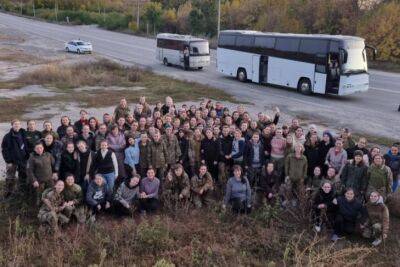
[{"x": 358, "y": 153}]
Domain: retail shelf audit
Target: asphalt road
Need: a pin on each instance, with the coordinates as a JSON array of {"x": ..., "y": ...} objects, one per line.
[{"x": 373, "y": 112}]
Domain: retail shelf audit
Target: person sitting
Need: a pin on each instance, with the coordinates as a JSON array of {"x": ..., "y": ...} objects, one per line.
[
  {"x": 379, "y": 177},
  {"x": 127, "y": 196},
  {"x": 313, "y": 184},
  {"x": 148, "y": 196},
  {"x": 73, "y": 195},
  {"x": 202, "y": 186},
  {"x": 349, "y": 210},
  {"x": 51, "y": 211},
  {"x": 268, "y": 187},
  {"x": 98, "y": 195},
  {"x": 323, "y": 207},
  {"x": 238, "y": 192},
  {"x": 377, "y": 224},
  {"x": 176, "y": 186}
]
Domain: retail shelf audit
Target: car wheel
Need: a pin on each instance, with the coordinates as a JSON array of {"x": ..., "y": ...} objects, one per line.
[
  {"x": 241, "y": 75},
  {"x": 304, "y": 86},
  {"x": 78, "y": 51},
  {"x": 67, "y": 49}
]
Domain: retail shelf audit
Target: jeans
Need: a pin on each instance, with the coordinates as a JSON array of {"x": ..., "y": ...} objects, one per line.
[
  {"x": 110, "y": 180},
  {"x": 395, "y": 183}
]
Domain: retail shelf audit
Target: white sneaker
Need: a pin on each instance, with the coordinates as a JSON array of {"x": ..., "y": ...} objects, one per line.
[
  {"x": 317, "y": 228},
  {"x": 377, "y": 242}
]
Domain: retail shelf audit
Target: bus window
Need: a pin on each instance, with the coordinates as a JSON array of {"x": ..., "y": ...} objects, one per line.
[
  {"x": 264, "y": 42},
  {"x": 287, "y": 44},
  {"x": 313, "y": 46},
  {"x": 334, "y": 47},
  {"x": 226, "y": 40},
  {"x": 244, "y": 42}
]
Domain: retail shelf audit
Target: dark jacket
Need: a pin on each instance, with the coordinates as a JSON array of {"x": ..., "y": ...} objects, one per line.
[
  {"x": 32, "y": 138},
  {"x": 14, "y": 147},
  {"x": 96, "y": 195},
  {"x": 69, "y": 164},
  {"x": 323, "y": 151},
  {"x": 248, "y": 154},
  {"x": 209, "y": 150},
  {"x": 90, "y": 141},
  {"x": 184, "y": 145},
  {"x": 40, "y": 168},
  {"x": 269, "y": 182},
  {"x": 355, "y": 176},
  {"x": 393, "y": 162},
  {"x": 78, "y": 125},
  {"x": 55, "y": 149},
  {"x": 351, "y": 210},
  {"x": 350, "y": 151},
  {"x": 313, "y": 157},
  {"x": 61, "y": 130},
  {"x": 224, "y": 147},
  {"x": 323, "y": 198}
]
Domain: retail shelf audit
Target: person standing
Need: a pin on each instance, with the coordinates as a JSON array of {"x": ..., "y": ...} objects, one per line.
[
  {"x": 40, "y": 170},
  {"x": 117, "y": 143},
  {"x": 15, "y": 153},
  {"x": 392, "y": 160},
  {"x": 172, "y": 146},
  {"x": 32, "y": 135},
  {"x": 105, "y": 163},
  {"x": 254, "y": 158},
  {"x": 157, "y": 156},
  {"x": 83, "y": 120}
]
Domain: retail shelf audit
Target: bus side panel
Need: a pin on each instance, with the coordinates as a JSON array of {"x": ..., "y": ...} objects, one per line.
[
  {"x": 256, "y": 69},
  {"x": 172, "y": 56},
  {"x": 229, "y": 61},
  {"x": 285, "y": 72}
]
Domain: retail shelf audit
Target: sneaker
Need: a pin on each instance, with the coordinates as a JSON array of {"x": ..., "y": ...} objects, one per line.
[
  {"x": 335, "y": 238},
  {"x": 317, "y": 228},
  {"x": 377, "y": 242}
]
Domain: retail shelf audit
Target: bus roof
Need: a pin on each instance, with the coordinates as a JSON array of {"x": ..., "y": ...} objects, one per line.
[
  {"x": 277, "y": 34},
  {"x": 172, "y": 36}
]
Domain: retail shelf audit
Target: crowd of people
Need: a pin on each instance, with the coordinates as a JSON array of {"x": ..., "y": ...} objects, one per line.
[{"x": 144, "y": 159}]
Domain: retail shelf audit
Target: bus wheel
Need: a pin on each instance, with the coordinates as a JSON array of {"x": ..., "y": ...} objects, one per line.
[
  {"x": 165, "y": 62},
  {"x": 241, "y": 75},
  {"x": 304, "y": 86},
  {"x": 200, "y": 68}
]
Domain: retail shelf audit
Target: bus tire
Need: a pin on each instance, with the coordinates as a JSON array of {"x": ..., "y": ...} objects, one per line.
[
  {"x": 200, "y": 68},
  {"x": 241, "y": 75},
  {"x": 304, "y": 86}
]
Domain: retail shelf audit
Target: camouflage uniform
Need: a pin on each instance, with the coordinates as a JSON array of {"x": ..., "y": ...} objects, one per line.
[
  {"x": 121, "y": 112},
  {"x": 173, "y": 149},
  {"x": 204, "y": 183},
  {"x": 52, "y": 214},
  {"x": 157, "y": 158},
  {"x": 178, "y": 185},
  {"x": 74, "y": 193}
]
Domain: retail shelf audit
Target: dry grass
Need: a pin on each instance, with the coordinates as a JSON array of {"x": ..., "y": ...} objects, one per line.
[
  {"x": 18, "y": 55},
  {"x": 196, "y": 238}
]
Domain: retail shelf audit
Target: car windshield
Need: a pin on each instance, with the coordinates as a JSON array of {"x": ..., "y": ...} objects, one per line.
[
  {"x": 199, "y": 48},
  {"x": 80, "y": 43}
]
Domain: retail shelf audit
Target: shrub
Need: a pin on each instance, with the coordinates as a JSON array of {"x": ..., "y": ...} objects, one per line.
[
  {"x": 115, "y": 21},
  {"x": 152, "y": 237}
]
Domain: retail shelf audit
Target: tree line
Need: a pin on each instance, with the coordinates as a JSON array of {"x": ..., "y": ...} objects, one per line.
[{"x": 376, "y": 20}]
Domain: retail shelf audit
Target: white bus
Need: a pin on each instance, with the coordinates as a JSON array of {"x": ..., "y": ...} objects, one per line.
[
  {"x": 183, "y": 50},
  {"x": 310, "y": 63}
]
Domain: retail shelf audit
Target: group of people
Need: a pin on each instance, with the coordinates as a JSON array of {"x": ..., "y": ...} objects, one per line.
[{"x": 148, "y": 158}]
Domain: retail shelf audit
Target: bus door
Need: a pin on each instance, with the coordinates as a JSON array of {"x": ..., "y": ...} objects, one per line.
[
  {"x": 320, "y": 77},
  {"x": 264, "y": 69},
  {"x": 255, "y": 69},
  {"x": 333, "y": 68}
]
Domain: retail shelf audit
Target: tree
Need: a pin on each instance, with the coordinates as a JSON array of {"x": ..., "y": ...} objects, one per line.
[
  {"x": 196, "y": 21},
  {"x": 169, "y": 19},
  {"x": 381, "y": 28},
  {"x": 182, "y": 17},
  {"x": 152, "y": 14}
]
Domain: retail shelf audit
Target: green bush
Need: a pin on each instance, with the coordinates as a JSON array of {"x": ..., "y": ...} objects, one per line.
[{"x": 152, "y": 237}]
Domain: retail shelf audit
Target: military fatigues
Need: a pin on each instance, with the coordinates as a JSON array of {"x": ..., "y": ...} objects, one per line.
[
  {"x": 204, "y": 183},
  {"x": 173, "y": 188},
  {"x": 378, "y": 221},
  {"x": 74, "y": 193},
  {"x": 173, "y": 150},
  {"x": 157, "y": 158},
  {"x": 51, "y": 213}
]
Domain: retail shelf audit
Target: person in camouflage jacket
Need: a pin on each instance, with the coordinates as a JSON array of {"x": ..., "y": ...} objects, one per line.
[
  {"x": 172, "y": 145},
  {"x": 176, "y": 186},
  {"x": 157, "y": 156},
  {"x": 202, "y": 186},
  {"x": 73, "y": 195},
  {"x": 52, "y": 209}
]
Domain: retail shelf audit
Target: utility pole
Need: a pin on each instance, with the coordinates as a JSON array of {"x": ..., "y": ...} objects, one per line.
[
  {"x": 33, "y": 8},
  {"x": 219, "y": 18},
  {"x": 56, "y": 9},
  {"x": 138, "y": 14}
]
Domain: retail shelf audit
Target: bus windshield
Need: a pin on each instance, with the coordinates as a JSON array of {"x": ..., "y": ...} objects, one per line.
[
  {"x": 356, "y": 58},
  {"x": 199, "y": 48}
]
